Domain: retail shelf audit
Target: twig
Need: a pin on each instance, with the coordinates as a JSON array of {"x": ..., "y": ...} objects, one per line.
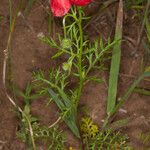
[
  {"x": 11, "y": 99},
  {"x": 3, "y": 142},
  {"x": 52, "y": 125}
]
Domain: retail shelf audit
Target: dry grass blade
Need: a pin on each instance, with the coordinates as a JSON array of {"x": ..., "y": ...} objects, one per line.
[
  {"x": 6, "y": 54},
  {"x": 115, "y": 62}
]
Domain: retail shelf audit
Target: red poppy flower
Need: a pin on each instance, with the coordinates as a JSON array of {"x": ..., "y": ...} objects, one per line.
[{"x": 61, "y": 7}]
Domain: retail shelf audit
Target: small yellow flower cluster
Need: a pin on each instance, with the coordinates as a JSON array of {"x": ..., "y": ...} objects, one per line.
[
  {"x": 71, "y": 148},
  {"x": 88, "y": 128}
]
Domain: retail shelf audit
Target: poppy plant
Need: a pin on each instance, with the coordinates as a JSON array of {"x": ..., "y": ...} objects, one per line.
[{"x": 61, "y": 7}]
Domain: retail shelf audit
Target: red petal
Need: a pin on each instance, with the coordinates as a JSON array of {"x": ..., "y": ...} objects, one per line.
[
  {"x": 80, "y": 2},
  {"x": 60, "y": 7}
]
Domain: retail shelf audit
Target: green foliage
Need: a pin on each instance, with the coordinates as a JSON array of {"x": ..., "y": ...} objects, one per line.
[
  {"x": 56, "y": 84},
  {"x": 147, "y": 44},
  {"x": 115, "y": 62},
  {"x": 142, "y": 91},
  {"x": 24, "y": 132},
  {"x": 111, "y": 108},
  {"x": 82, "y": 56},
  {"x": 134, "y": 3},
  {"x": 67, "y": 111},
  {"x": 88, "y": 128},
  {"x": 95, "y": 139},
  {"x": 25, "y": 117},
  {"x": 29, "y": 7},
  {"x": 52, "y": 137},
  {"x": 108, "y": 140},
  {"x": 145, "y": 138},
  {"x": 147, "y": 23},
  {"x": 28, "y": 94},
  {"x": 129, "y": 91},
  {"x": 66, "y": 44}
]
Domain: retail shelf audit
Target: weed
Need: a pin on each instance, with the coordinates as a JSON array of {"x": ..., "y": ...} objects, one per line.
[
  {"x": 145, "y": 60},
  {"x": 115, "y": 62},
  {"x": 127, "y": 94},
  {"x": 145, "y": 138},
  {"x": 130, "y": 4},
  {"x": 82, "y": 56},
  {"x": 88, "y": 128},
  {"x": 147, "y": 44},
  {"x": 109, "y": 140},
  {"x": 29, "y": 7},
  {"x": 96, "y": 139},
  {"x": 52, "y": 137},
  {"x": 142, "y": 91},
  {"x": 111, "y": 107}
]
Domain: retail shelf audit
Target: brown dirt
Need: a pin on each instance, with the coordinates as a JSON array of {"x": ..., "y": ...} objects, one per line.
[{"x": 28, "y": 54}]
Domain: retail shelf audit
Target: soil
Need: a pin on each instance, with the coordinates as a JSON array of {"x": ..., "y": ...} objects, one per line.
[{"x": 29, "y": 54}]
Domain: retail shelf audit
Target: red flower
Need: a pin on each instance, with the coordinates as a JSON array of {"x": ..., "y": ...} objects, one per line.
[{"x": 61, "y": 7}]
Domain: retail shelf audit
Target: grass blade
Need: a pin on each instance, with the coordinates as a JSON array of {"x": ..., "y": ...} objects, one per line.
[
  {"x": 69, "y": 120},
  {"x": 142, "y": 91},
  {"x": 29, "y": 7},
  {"x": 131, "y": 89},
  {"x": 115, "y": 62},
  {"x": 126, "y": 95}
]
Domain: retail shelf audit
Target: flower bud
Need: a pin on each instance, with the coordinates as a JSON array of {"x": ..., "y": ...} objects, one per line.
[{"x": 66, "y": 43}]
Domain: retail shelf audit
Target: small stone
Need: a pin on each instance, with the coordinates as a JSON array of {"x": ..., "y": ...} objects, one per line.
[
  {"x": 122, "y": 110},
  {"x": 19, "y": 13},
  {"x": 40, "y": 35}
]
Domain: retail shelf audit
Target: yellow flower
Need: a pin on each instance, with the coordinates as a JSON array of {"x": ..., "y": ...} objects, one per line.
[{"x": 70, "y": 148}]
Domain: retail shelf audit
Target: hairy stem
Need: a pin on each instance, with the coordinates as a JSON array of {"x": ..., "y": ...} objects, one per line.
[{"x": 81, "y": 78}]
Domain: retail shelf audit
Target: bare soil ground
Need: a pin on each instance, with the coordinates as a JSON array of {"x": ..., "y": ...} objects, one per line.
[{"x": 28, "y": 54}]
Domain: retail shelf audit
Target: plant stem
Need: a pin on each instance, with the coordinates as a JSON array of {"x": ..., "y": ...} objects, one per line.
[
  {"x": 80, "y": 57},
  {"x": 6, "y": 57}
]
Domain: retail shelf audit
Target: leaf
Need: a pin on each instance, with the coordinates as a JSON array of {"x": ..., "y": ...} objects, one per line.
[
  {"x": 115, "y": 62},
  {"x": 57, "y": 54},
  {"x": 29, "y": 7},
  {"x": 95, "y": 79},
  {"x": 147, "y": 24},
  {"x": 26, "y": 110},
  {"x": 126, "y": 95},
  {"x": 70, "y": 121},
  {"x": 142, "y": 91},
  {"x": 119, "y": 124}
]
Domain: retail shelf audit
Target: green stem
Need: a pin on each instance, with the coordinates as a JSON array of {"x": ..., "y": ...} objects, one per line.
[{"x": 80, "y": 57}]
